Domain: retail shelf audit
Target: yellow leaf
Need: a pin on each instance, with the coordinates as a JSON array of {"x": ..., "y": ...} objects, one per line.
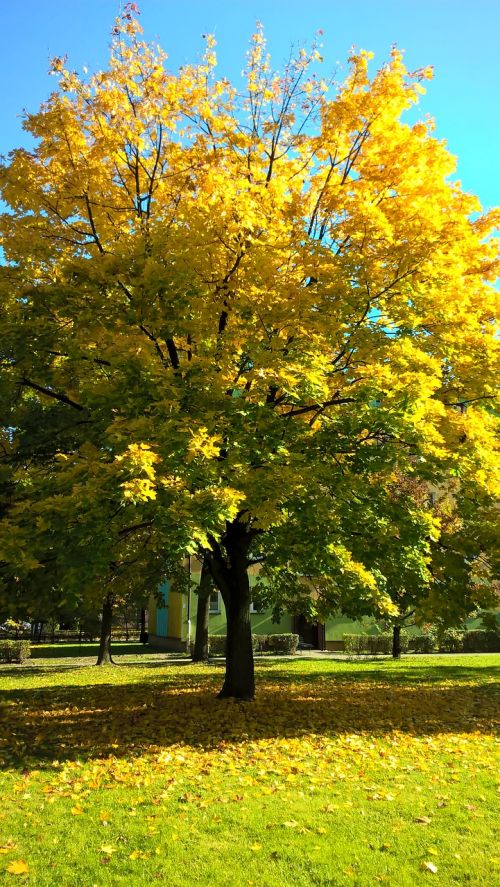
[
  {"x": 290, "y": 823},
  {"x": 423, "y": 820},
  {"x": 138, "y": 854},
  {"x": 107, "y": 848},
  {"x": 428, "y": 867},
  {"x": 77, "y": 810},
  {"x": 17, "y": 867},
  {"x": 256, "y": 847}
]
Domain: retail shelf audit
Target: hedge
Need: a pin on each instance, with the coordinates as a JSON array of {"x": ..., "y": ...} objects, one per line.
[
  {"x": 422, "y": 643},
  {"x": 373, "y": 644},
  {"x": 272, "y": 643},
  {"x": 283, "y": 643},
  {"x": 452, "y": 640},
  {"x": 475, "y": 641},
  {"x": 14, "y": 651}
]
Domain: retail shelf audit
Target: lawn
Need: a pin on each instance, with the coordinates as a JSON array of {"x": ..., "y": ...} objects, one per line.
[{"x": 339, "y": 773}]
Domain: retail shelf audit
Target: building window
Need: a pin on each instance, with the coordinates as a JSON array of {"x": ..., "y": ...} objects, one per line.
[
  {"x": 214, "y": 606},
  {"x": 256, "y": 608}
]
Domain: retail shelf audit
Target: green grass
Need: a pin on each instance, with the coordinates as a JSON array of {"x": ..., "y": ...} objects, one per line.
[{"x": 339, "y": 773}]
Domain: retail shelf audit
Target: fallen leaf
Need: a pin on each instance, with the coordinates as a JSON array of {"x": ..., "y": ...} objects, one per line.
[
  {"x": 17, "y": 867},
  {"x": 428, "y": 867},
  {"x": 423, "y": 820}
]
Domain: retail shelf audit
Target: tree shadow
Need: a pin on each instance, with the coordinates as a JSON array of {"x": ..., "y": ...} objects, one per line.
[{"x": 96, "y": 720}]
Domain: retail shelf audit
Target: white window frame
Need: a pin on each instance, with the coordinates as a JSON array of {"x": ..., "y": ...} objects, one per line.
[{"x": 214, "y": 606}]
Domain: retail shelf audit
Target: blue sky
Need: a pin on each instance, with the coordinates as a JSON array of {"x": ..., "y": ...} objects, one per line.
[{"x": 459, "y": 37}]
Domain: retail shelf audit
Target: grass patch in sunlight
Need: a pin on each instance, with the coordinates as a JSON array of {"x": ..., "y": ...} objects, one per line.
[{"x": 338, "y": 773}]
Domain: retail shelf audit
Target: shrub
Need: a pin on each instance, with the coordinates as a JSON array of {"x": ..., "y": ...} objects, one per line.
[
  {"x": 283, "y": 643},
  {"x": 422, "y": 643},
  {"x": 14, "y": 651},
  {"x": 481, "y": 641},
  {"x": 451, "y": 641},
  {"x": 353, "y": 644},
  {"x": 274, "y": 643},
  {"x": 217, "y": 644},
  {"x": 378, "y": 643},
  {"x": 373, "y": 644}
]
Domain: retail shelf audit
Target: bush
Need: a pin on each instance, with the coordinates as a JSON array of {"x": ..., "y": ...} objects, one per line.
[
  {"x": 283, "y": 643},
  {"x": 14, "y": 651},
  {"x": 372, "y": 644},
  {"x": 378, "y": 643},
  {"x": 422, "y": 643},
  {"x": 451, "y": 641},
  {"x": 354, "y": 644},
  {"x": 481, "y": 641},
  {"x": 217, "y": 644},
  {"x": 272, "y": 643}
]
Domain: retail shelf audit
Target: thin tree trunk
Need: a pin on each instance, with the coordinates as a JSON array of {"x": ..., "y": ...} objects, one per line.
[
  {"x": 230, "y": 575},
  {"x": 143, "y": 635},
  {"x": 200, "y": 651},
  {"x": 396, "y": 642},
  {"x": 104, "y": 657}
]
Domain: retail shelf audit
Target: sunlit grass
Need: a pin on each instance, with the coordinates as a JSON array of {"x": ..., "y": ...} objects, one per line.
[{"x": 339, "y": 773}]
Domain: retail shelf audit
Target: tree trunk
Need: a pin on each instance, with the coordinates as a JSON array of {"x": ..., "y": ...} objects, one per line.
[
  {"x": 396, "y": 642},
  {"x": 239, "y": 680},
  {"x": 104, "y": 656},
  {"x": 230, "y": 575},
  {"x": 200, "y": 651},
  {"x": 143, "y": 637}
]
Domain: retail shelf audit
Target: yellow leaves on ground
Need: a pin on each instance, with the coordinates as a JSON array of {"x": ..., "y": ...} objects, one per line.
[
  {"x": 108, "y": 849},
  {"x": 17, "y": 867},
  {"x": 77, "y": 810},
  {"x": 147, "y": 754}
]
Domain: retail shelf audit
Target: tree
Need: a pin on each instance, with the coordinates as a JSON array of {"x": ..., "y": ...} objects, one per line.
[
  {"x": 242, "y": 306},
  {"x": 204, "y": 590}
]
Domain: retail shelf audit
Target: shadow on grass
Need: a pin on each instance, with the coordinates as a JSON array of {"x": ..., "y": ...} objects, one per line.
[
  {"x": 87, "y": 721},
  {"x": 64, "y": 651}
]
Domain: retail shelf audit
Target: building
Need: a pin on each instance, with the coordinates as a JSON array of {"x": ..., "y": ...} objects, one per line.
[{"x": 172, "y": 626}]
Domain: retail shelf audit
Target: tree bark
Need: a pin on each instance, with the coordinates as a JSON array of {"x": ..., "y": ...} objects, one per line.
[
  {"x": 396, "y": 642},
  {"x": 239, "y": 681},
  {"x": 104, "y": 657},
  {"x": 200, "y": 651},
  {"x": 143, "y": 637},
  {"x": 230, "y": 575}
]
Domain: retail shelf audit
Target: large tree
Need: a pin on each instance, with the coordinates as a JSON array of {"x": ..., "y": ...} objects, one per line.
[{"x": 237, "y": 304}]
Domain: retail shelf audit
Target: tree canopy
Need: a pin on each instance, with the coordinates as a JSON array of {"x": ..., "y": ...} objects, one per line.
[{"x": 233, "y": 314}]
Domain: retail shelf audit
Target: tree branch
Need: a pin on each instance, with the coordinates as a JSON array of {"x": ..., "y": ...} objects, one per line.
[{"x": 56, "y": 395}]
